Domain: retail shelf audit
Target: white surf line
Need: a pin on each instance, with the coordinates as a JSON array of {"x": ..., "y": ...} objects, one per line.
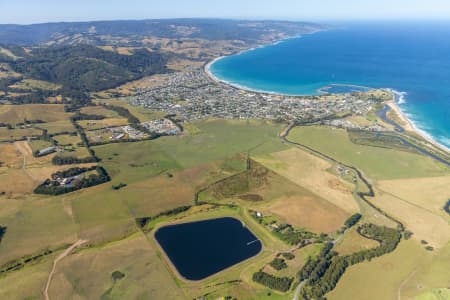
[{"x": 55, "y": 262}]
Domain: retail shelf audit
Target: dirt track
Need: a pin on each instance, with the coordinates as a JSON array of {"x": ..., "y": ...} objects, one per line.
[{"x": 55, "y": 262}]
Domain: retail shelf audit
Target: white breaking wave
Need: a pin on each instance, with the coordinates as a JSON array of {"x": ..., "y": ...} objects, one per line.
[{"x": 400, "y": 97}]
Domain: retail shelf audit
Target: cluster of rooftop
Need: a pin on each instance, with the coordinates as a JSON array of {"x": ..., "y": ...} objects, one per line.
[{"x": 194, "y": 95}]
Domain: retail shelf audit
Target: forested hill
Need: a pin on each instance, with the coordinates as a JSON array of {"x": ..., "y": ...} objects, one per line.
[
  {"x": 75, "y": 70},
  {"x": 67, "y": 62},
  {"x": 133, "y": 33}
]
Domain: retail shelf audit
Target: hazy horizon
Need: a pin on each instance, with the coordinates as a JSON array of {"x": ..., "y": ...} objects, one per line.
[{"x": 45, "y": 11}]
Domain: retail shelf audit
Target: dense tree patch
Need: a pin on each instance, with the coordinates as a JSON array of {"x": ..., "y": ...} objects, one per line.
[{"x": 282, "y": 284}]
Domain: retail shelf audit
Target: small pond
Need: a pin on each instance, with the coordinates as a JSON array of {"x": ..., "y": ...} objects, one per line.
[{"x": 201, "y": 249}]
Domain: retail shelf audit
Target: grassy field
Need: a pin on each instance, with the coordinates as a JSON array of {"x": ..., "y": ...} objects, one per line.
[
  {"x": 67, "y": 139},
  {"x": 137, "y": 161},
  {"x": 429, "y": 193},
  {"x": 58, "y": 126},
  {"x": 14, "y": 114},
  {"x": 354, "y": 242},
  {"x": 11, "y": 157},
  {"x": 435, "y": 294},
  {"x": 139, "y": 112},
  {"x": 33, "y": 225},
  {"x": 311, "y": 173},
  {"x": 279, "y": 197},
  {"x": 377, "y": 163},
  {"x": 17, "y": 134},
  {"x": 382, "y": 277},
  {"x": 27, "y": 283},
  {"x": 32, "y": 84},
  {"x": 308, "y": 211},
  {"x": 37, "y": 145},
  {"x": 425, "y": 225},
  {"x": 16, "y": 181},
  {"x": 77, "y": 151},
  {"x": 145, "y": 274},
  {"x": 219, "y": 139},
  {"x": 158, "y": 194},
  {"x": 96, "y": 124},
  {"x": 99, "y": 110},
  {"x": 100, "y": 216},
  {"x": 132, "y": 162},
  {"x": 431, "y": 279},
  {"x": 172, "y": 189}
]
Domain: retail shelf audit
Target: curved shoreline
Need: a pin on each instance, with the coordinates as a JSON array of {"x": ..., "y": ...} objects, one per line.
[
  {"x": 207, "y": 70},
  {"x": 393, "y": 104}
]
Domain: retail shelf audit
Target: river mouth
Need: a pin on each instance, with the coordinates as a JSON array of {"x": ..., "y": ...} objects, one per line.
[{"x": 203, "y": 248}]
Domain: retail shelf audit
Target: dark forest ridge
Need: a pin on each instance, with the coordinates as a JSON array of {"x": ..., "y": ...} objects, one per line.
[{"x": 96, "y": 32}]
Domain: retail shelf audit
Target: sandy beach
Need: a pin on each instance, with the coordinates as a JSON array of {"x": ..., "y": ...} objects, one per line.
[
  {"x": 408, "y": 125},
  {"x": 207, "y": 69}
]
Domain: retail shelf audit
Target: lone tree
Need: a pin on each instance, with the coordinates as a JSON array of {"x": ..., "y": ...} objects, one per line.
[{"x": 117, "y": 275}]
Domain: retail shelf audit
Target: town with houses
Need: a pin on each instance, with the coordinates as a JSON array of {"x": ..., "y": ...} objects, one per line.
[{"x": 194, "y": 95}]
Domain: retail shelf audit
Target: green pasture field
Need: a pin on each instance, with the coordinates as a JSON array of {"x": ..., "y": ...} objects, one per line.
[
  {"x": 139, "y": 112},
  {"x": 37, "y": 145},
  {"x": 146, "y": 276},
  {"x": 382, "y": 277},
  {"x": 378, "y": 163},
  {"x": 58, "y": 126},
  {"x": 218, "y": 140},
  {"x": 13, "y": 114},
  {"x": 32, "y": 84},
  {"x": 27, "y": 283},
  {"x": 33, "y": 225},
  {"x": 16, "y": 134},
  {"x": 67, "y": 139}
]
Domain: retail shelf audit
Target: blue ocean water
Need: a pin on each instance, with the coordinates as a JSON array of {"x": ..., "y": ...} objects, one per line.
[{"x": 413, "y": 58}]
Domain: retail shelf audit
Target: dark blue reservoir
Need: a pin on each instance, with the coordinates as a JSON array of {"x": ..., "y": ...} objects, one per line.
[{"x": 201, "y": 249}]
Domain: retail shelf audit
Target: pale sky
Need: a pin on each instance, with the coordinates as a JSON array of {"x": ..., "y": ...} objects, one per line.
[{"x": 38, "y": 11}]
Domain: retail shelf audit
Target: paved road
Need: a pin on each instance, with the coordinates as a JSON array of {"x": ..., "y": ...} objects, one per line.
[
  {"x": 297, "y": 291},
  {"x": 301, "y": 284}
]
